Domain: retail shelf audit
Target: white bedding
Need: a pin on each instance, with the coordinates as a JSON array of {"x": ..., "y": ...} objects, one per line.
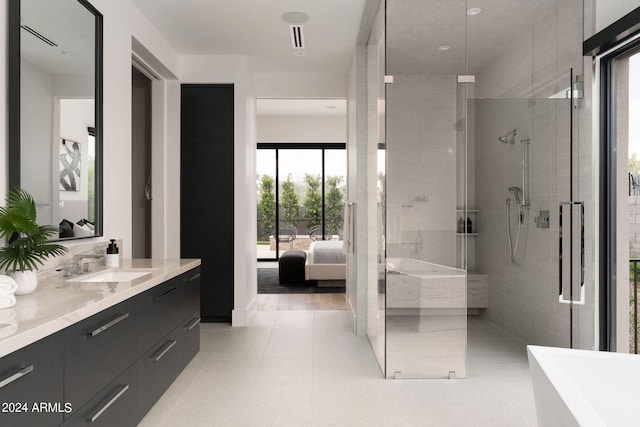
[
  {"x": 327, "y": 252},
  {"x": 326, "y": 262}
]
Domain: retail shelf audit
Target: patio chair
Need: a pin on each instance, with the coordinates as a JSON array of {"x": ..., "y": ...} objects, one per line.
[
  {"x": 287, "y": 234},
  {"x": 315, "y": 233}
]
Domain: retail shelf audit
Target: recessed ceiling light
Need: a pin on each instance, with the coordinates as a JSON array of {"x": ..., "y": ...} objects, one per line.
[
  {"x": 444, "y": 47},
  {"x": 473, "y": 11},
  {"x": 295, "y": 17},
  {"x": 298, "y": 53}
]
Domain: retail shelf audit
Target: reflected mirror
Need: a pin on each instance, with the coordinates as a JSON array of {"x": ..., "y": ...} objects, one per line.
[{"x": 55, "y": 131}]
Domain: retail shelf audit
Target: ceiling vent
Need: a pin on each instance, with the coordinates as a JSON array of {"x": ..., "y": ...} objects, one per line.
[
  {"x": 297, "y": 37},
  {"x": 38, "y": 35}
]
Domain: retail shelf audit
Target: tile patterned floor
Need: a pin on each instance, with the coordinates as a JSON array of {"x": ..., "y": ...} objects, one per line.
[{"x": 305, "y": 368}]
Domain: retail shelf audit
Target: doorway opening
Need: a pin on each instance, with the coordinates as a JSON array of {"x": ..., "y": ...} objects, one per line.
[
  {"x": 140, "y": 164},
  {"x": 301, "y": 168}
]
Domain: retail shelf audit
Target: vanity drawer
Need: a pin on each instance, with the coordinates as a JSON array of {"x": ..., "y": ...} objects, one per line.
[
  {"x": 114, "y": 405},
  {"x": 158, "y": 312},
  {"x": 97, "y": 350},
  {"x": 191, "y": 292},
  {"x": 29, "y": 376},
  {"x": 190, "y": 338},
  {"x": 157, "y": 369}
]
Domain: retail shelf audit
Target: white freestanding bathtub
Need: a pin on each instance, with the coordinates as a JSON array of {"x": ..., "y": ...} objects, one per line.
[{"x": 584, "y": 388}]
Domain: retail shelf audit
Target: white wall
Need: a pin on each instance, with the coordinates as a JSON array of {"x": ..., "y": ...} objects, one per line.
[
  {"x": 421, "y": 168},
  {"x": 36, "y": 86},
  {"x": 609, "y": 11},
  {"x": 76, "y": 115},
  {"x": 117, "y": 121},
  {"x": 297, "y": 128},
  {"x": 300, "y": 86}
]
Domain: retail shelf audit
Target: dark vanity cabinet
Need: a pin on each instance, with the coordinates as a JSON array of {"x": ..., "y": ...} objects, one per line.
[
  {"x": 108, "y": 369},
  {"x": 113, "y": 405},
  {"x": 158, "y": 312},
  {"x": 31, "y": 376},
  {"x": 97, "y": 350},
  {"x": 164, "y": 327},
  {"x": 206, "y": 202}
]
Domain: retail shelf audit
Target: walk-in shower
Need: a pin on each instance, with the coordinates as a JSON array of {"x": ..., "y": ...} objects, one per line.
[
  {"x": 452, "y": 129},
  {"x": 520, "y": 195}
]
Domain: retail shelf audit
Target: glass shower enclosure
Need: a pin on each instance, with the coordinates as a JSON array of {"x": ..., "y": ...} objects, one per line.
[{"x": 478, "y": 114}]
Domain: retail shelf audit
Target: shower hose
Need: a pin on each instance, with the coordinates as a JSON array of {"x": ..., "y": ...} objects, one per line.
[{"x": 513, "y": 247}]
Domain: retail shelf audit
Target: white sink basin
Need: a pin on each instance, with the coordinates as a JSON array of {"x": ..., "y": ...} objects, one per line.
[{"x": 111, "y": 276}]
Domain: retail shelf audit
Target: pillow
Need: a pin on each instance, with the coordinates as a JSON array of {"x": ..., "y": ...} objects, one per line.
[
  {"x": 82, "y": 231},
  {"x": 66, "y": 228},
  {"x": 86, "y": 222}
]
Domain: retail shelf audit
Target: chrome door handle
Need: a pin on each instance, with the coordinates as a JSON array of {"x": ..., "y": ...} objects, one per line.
[
  {"x": 16, "y": 376},
  {"x": 168, "y": 346},
  {"x": 192, "y": 324},
  {"x": 108, "y": 325},
  {"x": 110, "y": 402},
  {"x": 159, "y": 297},
  {"x": 192, "y": 278},
  {"x": 561, "y": 298}
]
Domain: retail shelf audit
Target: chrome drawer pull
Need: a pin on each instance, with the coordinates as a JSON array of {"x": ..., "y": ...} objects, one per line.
[
  {"x": 193, "y": 324},
  {"x": 192, "y": 278},
  {"x": 111, "y": 401},
  {"x": 108, "y": 325},
  {"x": 11, "y": 378},
  {"x": 159, "y": 297},
  {"x": 168, "y": 346}
]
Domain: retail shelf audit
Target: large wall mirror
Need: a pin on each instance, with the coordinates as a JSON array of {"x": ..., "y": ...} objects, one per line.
[{"x": 55, "y": 111}]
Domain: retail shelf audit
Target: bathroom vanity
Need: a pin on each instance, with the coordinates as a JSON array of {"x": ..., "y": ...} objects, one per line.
[{"x": 99, "y": 348}]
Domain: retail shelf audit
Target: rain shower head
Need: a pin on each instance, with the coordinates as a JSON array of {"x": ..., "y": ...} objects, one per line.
[{"x": 509, "y": 137}]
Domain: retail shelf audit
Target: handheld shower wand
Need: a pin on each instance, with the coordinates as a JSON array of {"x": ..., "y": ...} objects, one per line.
[
  {"x": 516, "y": 191},
  {"x": 517, "y": 195}
]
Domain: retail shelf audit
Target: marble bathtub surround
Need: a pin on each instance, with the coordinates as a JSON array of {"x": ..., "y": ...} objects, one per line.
[{"x": 60, "y": 302}]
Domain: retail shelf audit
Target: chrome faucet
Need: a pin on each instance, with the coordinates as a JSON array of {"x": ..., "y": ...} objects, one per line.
[{"x": 77, "y": 260}]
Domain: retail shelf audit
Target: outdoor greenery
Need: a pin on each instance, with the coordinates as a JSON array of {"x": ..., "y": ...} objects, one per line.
[
  {"x": 634, "y": 165},
  {"x": 334, "y": 202},
  {"x": 290, "y": 203},
  {"x": 313, "y": 201},
  {"x": 267, "y": 205},
  {"x": 28, "y": 242}
]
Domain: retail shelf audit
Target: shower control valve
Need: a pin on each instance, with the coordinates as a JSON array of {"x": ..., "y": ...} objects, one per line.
[{"x": 542, "y": 220}]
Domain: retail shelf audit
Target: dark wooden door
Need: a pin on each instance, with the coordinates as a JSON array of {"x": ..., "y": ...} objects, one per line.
[{"x": 206, "y": 200}]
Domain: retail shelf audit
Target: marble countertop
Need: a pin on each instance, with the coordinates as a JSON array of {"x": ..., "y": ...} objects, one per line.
[{"x": 60, "y": 302}]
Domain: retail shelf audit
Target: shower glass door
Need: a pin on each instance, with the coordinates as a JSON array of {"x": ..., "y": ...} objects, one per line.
[
  {"x": 429, "y": 221},
  {"x": 529, "y": 139},
  {"x": 487, "y": 130}
]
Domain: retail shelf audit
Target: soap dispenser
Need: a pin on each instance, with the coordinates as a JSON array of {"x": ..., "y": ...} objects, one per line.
[{"x": 113, "y": 257}]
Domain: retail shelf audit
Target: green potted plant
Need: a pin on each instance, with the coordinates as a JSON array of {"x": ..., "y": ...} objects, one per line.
[{"x": 27, "y": 242}]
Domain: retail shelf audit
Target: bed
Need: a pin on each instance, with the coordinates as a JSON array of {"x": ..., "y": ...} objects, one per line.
[{"x": 326, "y": 263}]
